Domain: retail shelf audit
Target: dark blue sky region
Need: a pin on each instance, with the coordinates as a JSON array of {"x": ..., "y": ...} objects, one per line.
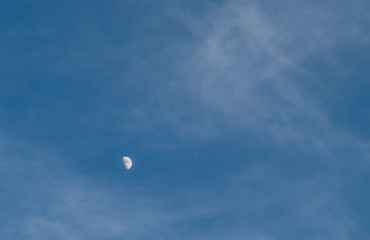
[{"x": 244, "y": 120}]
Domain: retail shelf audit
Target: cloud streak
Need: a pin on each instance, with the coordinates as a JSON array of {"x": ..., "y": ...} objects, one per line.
[{"x": 245, "y": 69}]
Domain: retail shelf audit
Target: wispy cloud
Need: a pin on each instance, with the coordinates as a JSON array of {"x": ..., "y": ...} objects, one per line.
[
  {"x": 44, "y": 198},
  {"x": 244, "y": 70}
]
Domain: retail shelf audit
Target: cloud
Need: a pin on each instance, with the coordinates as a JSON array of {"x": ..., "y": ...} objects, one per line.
[
  {"x": 245, "y": 70},
  {"x": 235, "y": 74},
  {"x": 44, "y": 198}
]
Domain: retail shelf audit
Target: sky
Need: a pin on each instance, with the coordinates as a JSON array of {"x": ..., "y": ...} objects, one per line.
[{"x": 244, "y": 119}]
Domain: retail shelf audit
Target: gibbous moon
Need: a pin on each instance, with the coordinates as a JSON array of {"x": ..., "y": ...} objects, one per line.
[{"x": 127, "y": 161}]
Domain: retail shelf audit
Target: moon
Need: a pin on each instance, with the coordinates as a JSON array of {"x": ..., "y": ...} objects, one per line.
[{"x": 127, "y": 162}]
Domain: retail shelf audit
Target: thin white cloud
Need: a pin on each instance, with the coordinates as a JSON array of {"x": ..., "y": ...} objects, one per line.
[
  {"x": 45, "y": 199},
  {"x": 243, "y": 71}
]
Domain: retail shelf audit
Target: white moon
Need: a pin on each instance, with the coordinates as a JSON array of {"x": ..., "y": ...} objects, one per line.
[{"x": 127, "y": 161}]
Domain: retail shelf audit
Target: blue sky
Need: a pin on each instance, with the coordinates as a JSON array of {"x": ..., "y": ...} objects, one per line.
[{"x": 244, "y": 120}]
